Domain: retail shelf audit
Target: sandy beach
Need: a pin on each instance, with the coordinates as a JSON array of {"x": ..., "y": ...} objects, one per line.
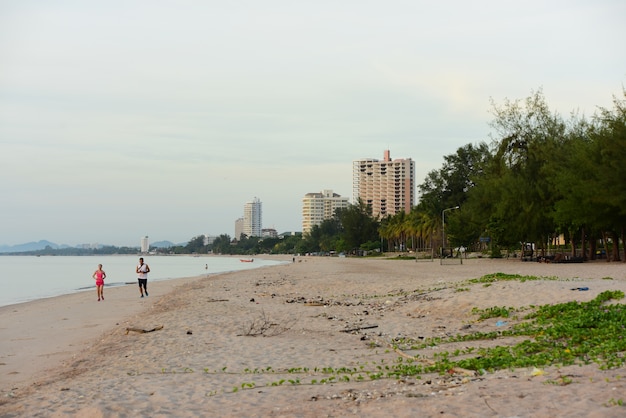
[{"x": 292, "y": 340}]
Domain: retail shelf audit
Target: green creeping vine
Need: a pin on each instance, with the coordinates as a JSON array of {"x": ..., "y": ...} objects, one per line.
[{"x": 566, "y": 333}]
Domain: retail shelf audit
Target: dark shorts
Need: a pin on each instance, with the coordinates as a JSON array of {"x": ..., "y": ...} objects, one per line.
[{"x": 142, "y": 282}]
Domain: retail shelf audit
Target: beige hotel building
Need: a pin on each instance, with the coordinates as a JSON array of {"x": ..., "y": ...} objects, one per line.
[
  {"x": 387, "y": 186},
  {"x": 317, "y": 207}
]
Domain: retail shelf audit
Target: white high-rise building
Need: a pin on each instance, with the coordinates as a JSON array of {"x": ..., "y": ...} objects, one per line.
[
  {"x": 252, "y": 218},
  {"x": 317, "y": 207},
  {"x": 145, "y": 244},
  {"x": 387, "y": 186}
]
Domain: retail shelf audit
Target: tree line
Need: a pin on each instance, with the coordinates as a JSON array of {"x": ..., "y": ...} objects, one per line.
[{"x": 539, "y": 177}]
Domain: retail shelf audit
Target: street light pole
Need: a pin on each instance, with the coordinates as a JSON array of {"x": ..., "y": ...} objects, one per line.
[{"x": 443, "y": 228}]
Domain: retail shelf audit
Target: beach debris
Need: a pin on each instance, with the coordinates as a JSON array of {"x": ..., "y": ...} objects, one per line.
[
  {"x": 143, "y": 331},
  {"x": 265, "y": 326},
  {"x": 582, "y": 289},
  {"x": 462, "y": 371},
  {"x": 537, "y": 372},
  {"x": 189, "y": 332},
  {"x": 501, "y": 323},
  {"x": 359, "y": 328}
]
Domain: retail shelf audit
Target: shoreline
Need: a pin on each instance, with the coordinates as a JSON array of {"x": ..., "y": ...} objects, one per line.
[
  {"x": 64, "y": 275},
  {"x": 43, "y": 333},
  {"x": 40, "y": 334},
  {"x": 57, "y": 350}
]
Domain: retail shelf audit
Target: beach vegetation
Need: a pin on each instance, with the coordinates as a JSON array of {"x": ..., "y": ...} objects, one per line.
[
  {"x": 565, "y": 334},
  {"x": 535, "y": 338},
  {"x": 616, "y": 402},
  {"x": 493, "y": 312},
  {"x": 500, "y": 277},
  {"x": 542, "y": 176}
]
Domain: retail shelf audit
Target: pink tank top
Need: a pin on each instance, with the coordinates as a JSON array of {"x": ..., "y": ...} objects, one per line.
[{"x": 99, "y": 275}]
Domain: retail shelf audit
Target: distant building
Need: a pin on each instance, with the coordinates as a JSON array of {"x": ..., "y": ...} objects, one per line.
[
  {"x": 238, "y": 229},
  {"x": 209, "y": 239},
  {"x": 387, "y": 186},
  {"x": 145, "y": 244},
  {"x": 269, "y": 233},
  {"x": 252, "y": 218},
  {"x": 289, "y": 234},
  {"x": 317, "y": 207}
]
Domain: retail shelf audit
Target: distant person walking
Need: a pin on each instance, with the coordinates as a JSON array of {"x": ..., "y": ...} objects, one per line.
[
  {"x": 99, "y": 275},
  {"x": 142, "y": 276}
]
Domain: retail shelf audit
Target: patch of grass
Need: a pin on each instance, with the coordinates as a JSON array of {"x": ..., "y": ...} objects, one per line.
[
  {"x": 560, "y": 381},
  {"x": 615, "y": 402},
  {"x": 493, "y": 312},
  {"x": 401, "y": 257},
  {"x": 500, "y": 277}
]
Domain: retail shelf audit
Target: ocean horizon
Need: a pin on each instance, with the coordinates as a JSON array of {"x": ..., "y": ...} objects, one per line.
[{"x": 24, "y": 278}]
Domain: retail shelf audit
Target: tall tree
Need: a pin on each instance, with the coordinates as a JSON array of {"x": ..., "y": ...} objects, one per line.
[
  {"x": 359, "y": 227},
  {"x": 449, "y": 187},
  {"x": 527, "y": 132},
  {"x": 610, "y": 140}
]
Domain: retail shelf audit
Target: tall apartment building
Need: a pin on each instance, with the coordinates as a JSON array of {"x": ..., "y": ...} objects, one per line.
[
  {"x": 387, "y": 186},
  {"x": 145, "y": 244},
  {"x": 238, "y": 228},
  {"x": 317, "y": 207},
  {"x": 252, "y": 218}
]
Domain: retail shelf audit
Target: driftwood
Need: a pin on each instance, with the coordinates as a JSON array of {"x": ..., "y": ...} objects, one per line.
[
  {"x": 217, "y": 300},
  {"x": 359, "y": 328},
  {"x": 143, "y": 331}
]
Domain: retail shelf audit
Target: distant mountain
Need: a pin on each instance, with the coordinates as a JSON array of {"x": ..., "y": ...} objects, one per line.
[
  {"x": 162, "y": 244},
  {"x": 43, "y": 244},
  {"x": 30, "y": 246}
]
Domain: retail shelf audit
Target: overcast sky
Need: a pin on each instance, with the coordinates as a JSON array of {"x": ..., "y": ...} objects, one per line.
[{"x": 120, "y": 119}]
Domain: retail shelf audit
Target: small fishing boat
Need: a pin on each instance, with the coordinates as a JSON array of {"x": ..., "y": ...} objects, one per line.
[{"x": 246, "y": 260}]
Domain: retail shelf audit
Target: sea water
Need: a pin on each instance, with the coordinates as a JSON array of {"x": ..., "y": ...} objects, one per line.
[{"x": 26, "y": 278}]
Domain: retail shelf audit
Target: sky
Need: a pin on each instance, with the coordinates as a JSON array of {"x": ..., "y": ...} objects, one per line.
[{"x": 120, "y": 119}]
